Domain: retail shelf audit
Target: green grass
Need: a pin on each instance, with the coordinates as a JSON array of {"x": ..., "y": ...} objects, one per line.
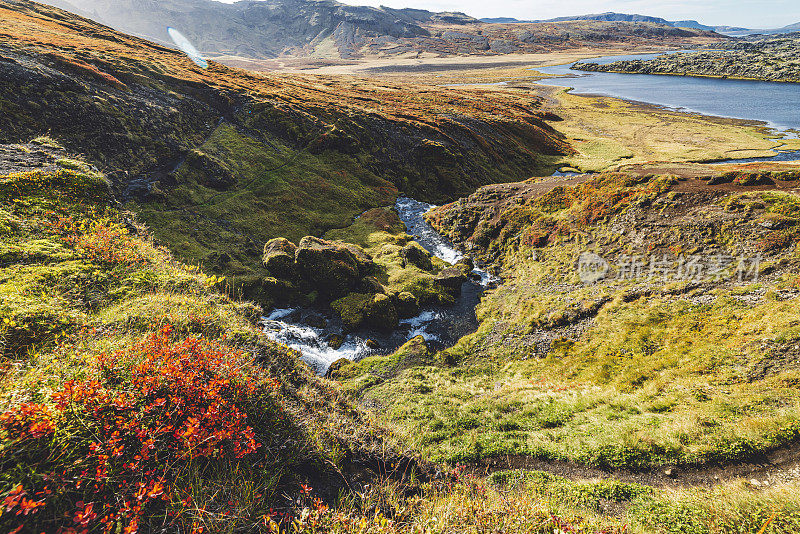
[
  {"x": 83, "y": 290},
  {"x": 673, "y": 376},
  {"x": 279, "y": 191}
]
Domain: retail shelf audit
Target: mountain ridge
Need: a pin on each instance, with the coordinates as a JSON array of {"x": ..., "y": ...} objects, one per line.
[{"x": 327, "y": 29}]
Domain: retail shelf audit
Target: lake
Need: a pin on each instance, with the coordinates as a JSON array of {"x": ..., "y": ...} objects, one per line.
[{"x": 777, "y": 104}]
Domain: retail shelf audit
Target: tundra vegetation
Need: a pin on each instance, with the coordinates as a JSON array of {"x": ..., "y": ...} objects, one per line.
[{"x": 139, "y": 394}]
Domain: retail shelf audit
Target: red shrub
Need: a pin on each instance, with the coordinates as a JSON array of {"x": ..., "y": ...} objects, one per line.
[{"x": 131, "y": 434}]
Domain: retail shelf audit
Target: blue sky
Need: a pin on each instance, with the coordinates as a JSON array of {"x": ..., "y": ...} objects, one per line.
[{"x": 747, "y": 13}]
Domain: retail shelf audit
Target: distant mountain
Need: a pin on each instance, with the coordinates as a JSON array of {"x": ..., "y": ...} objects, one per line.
[
  {"x": 504, "y": 20},
  {"x": 607, "y": 17},
  {"x": 691, "y": 24},
  {"x": 611, "y": 17},
  {"x": 624, "y": 17},
  {"x": 791, "y": 28},
  {"x": 325, "y": 30},
  {"x": 265, "y": 28},
  {"x": 698, "y": 26}
]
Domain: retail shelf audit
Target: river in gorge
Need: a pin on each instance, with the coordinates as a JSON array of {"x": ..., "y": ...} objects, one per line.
[{"x": 307, "y": 330}]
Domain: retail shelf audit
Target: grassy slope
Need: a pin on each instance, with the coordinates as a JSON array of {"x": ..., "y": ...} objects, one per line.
[
  {"x": 84, "y": 292},
  {"x": 85, "y": 295},
  {"x": 623, "y": 373},
  {"x": 318, "y": 150}
]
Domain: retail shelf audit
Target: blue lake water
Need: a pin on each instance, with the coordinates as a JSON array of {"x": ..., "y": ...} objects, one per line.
[{"x": 777, "y": 104}]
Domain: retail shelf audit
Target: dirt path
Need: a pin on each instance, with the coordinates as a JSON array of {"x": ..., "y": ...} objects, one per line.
[{"x": 769, "y": 469}]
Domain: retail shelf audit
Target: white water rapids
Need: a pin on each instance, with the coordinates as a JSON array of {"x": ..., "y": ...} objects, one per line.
[{"x": 442, "y": 325}]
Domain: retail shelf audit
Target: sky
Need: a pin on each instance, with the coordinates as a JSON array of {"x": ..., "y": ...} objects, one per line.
[{"x": 747, "y": 13}]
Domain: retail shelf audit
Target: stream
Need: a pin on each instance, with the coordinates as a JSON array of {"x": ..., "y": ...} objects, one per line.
[{"x": 307, "y": 329}]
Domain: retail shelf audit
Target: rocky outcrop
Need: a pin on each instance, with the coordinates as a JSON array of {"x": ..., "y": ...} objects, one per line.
[
  {"x": 333, "y": 269},
  {"x": 769, "y": 59},
  {"x": 368, "y": 310},
  {"x": 407, "y": 305},
  {"x": 278, "y": 258},
  {"x": 451, "y": 278},
  {"x": 417, "y": 256}
]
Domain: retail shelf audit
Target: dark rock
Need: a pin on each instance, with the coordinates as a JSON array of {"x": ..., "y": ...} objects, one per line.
[
  {"x": 417, "y": 256},
  {"x": 278, "y": 258},
  {"x": 372, "y": 344},
  {"x": 466, "y": 264},
  {"x": 407, "y": 305},
  {"x": 365, "y": 264},
  {"x": 279, "y": 291},
  {"x": 335, "y": 367},
  {"x": 380, "y": 313},
  {"x": 315, "y": 320},
  {"x": 451, "y": 278},
  {"x": 331, "y": 268},
  {"x": 370, "y": 284},
  {"x": 364, "y": 309},
  {"x": 335, "y": 341}
]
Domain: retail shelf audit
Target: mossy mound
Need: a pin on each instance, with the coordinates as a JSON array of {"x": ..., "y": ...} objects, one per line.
[
  {"x": 334, "y": 269},
  {"x": 279, "y": 256},
  {"x": 417, "y": 256},
  {"x": 365, "y": 309},
  {"x": 108, "y": 343}
]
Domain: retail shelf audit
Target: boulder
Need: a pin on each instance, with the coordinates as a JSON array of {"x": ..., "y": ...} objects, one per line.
[
  {"x": 331, "y": 268},
  {"x": 365, "y": 264},
  {"x": 417, "y": 256},
  {"x": 370, "y": 310},
  {"x": 406, "y": 304},
  {"x": 278, "y": 258},
  {"x": 380, "y": 313},
  {"x": 335, "y": 341},
  {"x": 451, "y": 278},
  {"x": 315, "y": 320},
  {"x": 335, "y": 367},
  {"x": 466, "y": 265},
  {"x": 351, "y": 309},
  {"x": 370, "y": 284},
  {"x": 277, "y": 290}
]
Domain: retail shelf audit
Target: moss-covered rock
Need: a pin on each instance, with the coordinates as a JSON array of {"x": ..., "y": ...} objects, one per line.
[
  {"x": 336, "y": 367},
  {"x": 364, "y": 309},
  {"x": 451, "y": 279},
  {"x": 278, "y": 291},
  {"x": 380, "y": 313},
  {"x": 417, "y": 256},
  {"x": 407, "y": 304},
  {"x": 332, "y": 268},
  {"x": 278, "y": 258},
  {"x": 335, "y": 341},
  {"x": 351, "y": 309}
]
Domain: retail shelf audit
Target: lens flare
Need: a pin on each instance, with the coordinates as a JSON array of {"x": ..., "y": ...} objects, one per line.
[{"x": 187, "y": 47}]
